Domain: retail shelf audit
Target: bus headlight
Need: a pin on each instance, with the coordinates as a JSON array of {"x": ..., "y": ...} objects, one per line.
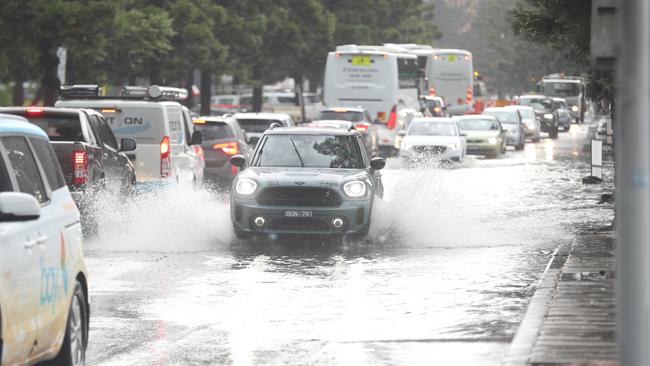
[{"x": 246, "y": 186}]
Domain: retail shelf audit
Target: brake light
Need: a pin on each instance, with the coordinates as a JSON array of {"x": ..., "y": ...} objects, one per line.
[
  {"x": 392, "y": 119},
  {"x": 35, "y": 110},
  {"x": 109, "y": 110},
  {"x": 165, "y": 158},
  {"x": 79, "y": 166},
  {"x": 233, "y": 170},
  {"x": 228, "y": 148}
]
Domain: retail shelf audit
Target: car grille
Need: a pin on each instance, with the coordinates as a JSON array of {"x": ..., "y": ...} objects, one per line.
[
  {"x": 430, "y": 149},
  {"x": 299, "y": 196},
  {"x": 299, "y": 224},
  {"x": 474, "y": 141}
]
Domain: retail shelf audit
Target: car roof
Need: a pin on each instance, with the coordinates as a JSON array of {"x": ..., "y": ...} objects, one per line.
[
  {"x": 12, "y": 124},
  {"x": 310, "y": 131},
  {"x": 533, "y": 96},
  {"x": 46, "y": 110},
  {"x": 515, "y": 107},
  {"x": 433, "y": 119},
  {"x": 490, "y": 109},
  {"x": 343, "y": 109},
  {"x": 262, "y": 115},
  {"x": 476, "y": 116},
  {"x": 109, "y": 103}
]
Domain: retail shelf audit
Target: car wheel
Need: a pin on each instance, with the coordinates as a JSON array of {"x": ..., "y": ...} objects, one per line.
[{"x": 75, "y": 341}]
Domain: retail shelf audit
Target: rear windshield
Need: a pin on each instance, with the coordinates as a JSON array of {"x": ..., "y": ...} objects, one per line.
[
  {"x": 60, "y": 128},
  {"x": 214, "y": 131},
  {"x": 478, "y": 124},
  {"x": 503, "y": 116},
  {"x": 256, "y": 125},
  {"x": 351, "y": 116},
  {"x": 145, "y": 125},
  {"x": 309, "y": 151}
]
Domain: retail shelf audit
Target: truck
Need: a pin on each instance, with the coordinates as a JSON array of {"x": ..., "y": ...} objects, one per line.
[{"x": 571, "y": 88}]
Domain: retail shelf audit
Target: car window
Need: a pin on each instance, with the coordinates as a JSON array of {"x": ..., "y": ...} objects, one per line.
[
  {"x": 106, "y": 133},
  {"x": 24, "y": 167},
  {"x": 310, "y": 151},
  {"x": 503, "y": 116},
  {"x": 476, "y": 124},
  {"x": 49, "y": 162},
  {"x": 5, "y": 182},
  {"x": 60, "y": 127},
  {"x": 431, "y": 128},
  {"x": 351, "y": 116},
  {"x": 215, "y": 131},
  {"x": 186, "y": 128},
  {"x": 256, "y": 125}
]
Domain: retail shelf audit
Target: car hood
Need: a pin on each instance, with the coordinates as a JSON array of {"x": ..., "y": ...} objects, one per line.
[
  {"x": 430, "y": 140},
  {"x": 480, "y": 134},
  {"x": 303, "y": 177}
]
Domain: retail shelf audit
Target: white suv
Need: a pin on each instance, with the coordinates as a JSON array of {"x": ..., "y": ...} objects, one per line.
[{"x": 43, "y": 289}]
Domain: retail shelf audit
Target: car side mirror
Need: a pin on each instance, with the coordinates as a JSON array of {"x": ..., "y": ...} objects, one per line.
[
  {"x": 127, "y": 144},
  {"x": 239, "y": 161},
  {"x": 401, "y": 133},
  {"x": 377, "y": 163},
  {"x": 247, "y": 138},
  {"x": 197, "y": 138},
  {"x": 15, "y": 206}
]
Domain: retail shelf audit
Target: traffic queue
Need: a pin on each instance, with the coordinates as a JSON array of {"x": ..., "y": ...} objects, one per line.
[{"x": 317, "y": 178}]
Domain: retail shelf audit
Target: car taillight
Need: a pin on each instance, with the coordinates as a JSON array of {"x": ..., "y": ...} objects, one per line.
[
  {"x": 80, "y": 167},
  {"x": 34, "y": 111},
  {"x": 361, "y": 127},
  {"x": 228, "y": 148},
  {"x": 392, "y": 119},
  {"x": 165, "y": 158},
  {"x": 199, "y": 152}
]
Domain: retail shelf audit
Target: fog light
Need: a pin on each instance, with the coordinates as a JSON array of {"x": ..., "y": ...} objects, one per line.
[
  {"x": 259, "y": 221},
  {"x": 337, "y": 223}
]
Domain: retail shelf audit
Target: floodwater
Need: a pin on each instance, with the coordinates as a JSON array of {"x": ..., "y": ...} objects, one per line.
[{"x": 454, "y": 256}]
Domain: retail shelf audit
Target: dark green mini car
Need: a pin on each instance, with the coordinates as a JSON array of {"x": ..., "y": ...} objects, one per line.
[{"x": 305, "y": 180}]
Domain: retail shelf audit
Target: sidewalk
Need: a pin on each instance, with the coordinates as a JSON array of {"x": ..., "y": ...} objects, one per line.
[{"x": 571, "y": 318}]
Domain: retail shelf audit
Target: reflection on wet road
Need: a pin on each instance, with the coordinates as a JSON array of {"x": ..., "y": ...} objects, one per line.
[{"x": 455, "y": 254}]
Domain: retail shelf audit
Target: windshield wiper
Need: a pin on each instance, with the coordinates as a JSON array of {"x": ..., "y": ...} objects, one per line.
[{"x": 302, "y": 164}]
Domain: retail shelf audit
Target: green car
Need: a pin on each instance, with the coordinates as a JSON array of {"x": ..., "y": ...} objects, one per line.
[{"x": 484, "y": 135}]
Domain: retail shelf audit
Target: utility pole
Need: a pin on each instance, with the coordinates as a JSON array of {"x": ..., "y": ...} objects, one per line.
[{"x": 632, "y": 139}]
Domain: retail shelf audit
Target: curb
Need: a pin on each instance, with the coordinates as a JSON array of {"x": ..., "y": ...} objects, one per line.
[{"x": 522, "y": 344}]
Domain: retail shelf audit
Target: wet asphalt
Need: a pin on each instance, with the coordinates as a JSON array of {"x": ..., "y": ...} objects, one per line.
[{"x": 452, "y": 259}]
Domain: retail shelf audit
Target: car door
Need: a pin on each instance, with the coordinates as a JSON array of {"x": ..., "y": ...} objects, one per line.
[
  {"x": 194, "y": 151},
  {"x": 181, "y": 158},
  {"x": 23, "y": 285},
  {"x": 244, "y": 148},
  {"x": 108, "y": 151},
  {"x": 56, "y": 283}
]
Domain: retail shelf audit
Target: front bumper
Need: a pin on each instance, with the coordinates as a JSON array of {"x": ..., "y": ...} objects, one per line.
[
  {"x": 483, "y": 149},
  {"x": 355, "y": 214},
  {"x": 547, "y": 125},
  {"x": 414, "y": 156}
]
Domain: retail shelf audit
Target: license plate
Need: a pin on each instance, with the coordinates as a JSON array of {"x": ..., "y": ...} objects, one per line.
[
  {"x": 298, "y": 213},
  {"x": 360, "y": 60}
]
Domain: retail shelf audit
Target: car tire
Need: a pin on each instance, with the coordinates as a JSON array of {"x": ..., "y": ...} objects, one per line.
[
  {"x": 520, "y": 146},
  {"x": 75, "y": 341}
]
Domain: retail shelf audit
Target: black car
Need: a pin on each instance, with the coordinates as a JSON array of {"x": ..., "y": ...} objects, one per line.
[
  {"x": 544, "y": 112},
  {"x": 361, "y": 121},
  {"x": 223, "y": 138},
  {"x": 305, "y": 180}
]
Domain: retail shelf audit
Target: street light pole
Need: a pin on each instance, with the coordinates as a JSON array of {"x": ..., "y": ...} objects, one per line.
[{"x": 632, "y": 139}]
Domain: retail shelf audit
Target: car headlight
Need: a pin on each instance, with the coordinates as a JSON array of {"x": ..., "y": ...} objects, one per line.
[
  {"x": 492, "y": 140},
  {"x": 246, "y": 186},
  {"x": 574, "y": 108},
  {"x": 548, "y": 116},
  {"x": 354, "y": 189}
]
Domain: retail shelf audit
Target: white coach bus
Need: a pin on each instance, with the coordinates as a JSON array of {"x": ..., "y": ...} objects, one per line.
[{"x": 377, "y": 78}]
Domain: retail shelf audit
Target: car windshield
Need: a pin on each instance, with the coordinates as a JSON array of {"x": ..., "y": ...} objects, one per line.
[
  {"x": 432, "y": 128},
  {"x": 256, "y": 125},
  {"x": 561, "y": 89},
  {"x": 544, "y": 104},
  {"x": 309, "y": 151},
  {"x": 503, "y": 116},
  {"x": 214, "y": 131},
  {"x": 478, "y": 124},
  {"x": 351, "y": 116}
]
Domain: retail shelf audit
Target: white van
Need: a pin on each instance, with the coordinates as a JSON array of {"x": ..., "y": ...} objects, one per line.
[{"x": 166, "y": 147}]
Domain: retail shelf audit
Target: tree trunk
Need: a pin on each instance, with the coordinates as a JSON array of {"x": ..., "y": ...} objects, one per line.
[
  {"x": 257, "y": 89},
  {"x": 298, "y": 79},
  {"x": 50, "y": 81},
  {"x": 189, "y": 81},
  {"x": 155, "y": 72},
  {"x": 18, "y": 93},
  {"x": 206, "y": 92}
]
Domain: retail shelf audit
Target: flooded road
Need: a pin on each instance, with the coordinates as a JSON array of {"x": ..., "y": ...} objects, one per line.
[{"x": 454, "y": 257}]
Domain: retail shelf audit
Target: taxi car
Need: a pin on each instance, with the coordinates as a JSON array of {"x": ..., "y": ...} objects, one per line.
[
  {"x": 306, "y": 180},
  {"x": 43, "y": 290}
]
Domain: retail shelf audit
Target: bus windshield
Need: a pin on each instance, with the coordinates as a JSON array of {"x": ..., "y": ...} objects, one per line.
[{"x": 561, "y": 89}]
